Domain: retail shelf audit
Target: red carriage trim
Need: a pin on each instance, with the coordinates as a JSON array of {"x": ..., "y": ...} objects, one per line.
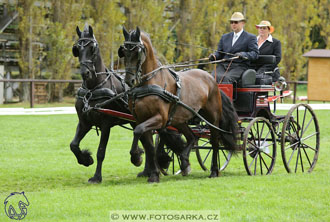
[
  {"x": 121, "y": 115},
  {"x": 255, "y": 89}
]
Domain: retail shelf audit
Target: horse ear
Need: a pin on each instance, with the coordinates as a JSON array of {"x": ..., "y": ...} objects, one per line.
[
  {"x": 78, "y": 32},
  {"x": 121, "y": 51},
  {"x": 138, "y": 32},
  {"x": 75, "y": 51},
  {"x": 126, "y": 34},
  {"x": 90, "y": 30}
]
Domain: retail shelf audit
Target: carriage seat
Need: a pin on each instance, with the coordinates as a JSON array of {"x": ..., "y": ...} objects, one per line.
[{"x": 250, "y": 77}]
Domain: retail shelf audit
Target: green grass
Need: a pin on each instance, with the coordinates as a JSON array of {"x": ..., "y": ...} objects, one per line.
[{"x": 36, "y": 158}]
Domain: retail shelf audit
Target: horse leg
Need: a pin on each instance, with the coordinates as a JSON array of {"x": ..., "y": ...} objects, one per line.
[
  {"x": 215, "y": 143},
  {"x": 146, "y": 170},
  {"x": 83, "y": 157},
  {"x": 105, "y": 133},
  {"x": 143, "y": 132},
  {"x": 147, "y": 142},
  {"x": 184, "y": 154}
]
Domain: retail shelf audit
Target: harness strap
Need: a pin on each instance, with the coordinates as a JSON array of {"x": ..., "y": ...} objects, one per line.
[{"x": 178, "y": 92}]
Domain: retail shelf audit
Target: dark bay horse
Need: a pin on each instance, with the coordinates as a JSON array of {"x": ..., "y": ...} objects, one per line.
[
  {"x": 99, "y": 84},
  {"x": 153, "y": 102}
]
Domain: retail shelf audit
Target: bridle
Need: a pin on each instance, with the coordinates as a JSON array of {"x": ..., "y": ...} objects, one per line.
[
  {"x": 89, "y": 63},
  {"x": 130, "y": 47}
]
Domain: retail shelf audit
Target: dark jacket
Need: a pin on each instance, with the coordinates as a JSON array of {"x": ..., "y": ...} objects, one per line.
[
  {"x": 270, "y": 48},
  {"x": 246, "y": 44}
]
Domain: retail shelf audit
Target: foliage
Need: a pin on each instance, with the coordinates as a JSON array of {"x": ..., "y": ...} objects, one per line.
[
  {"x": 30, "y": 26},
  {"x": 39, "y": 162},
  {"x": 61, "y": 23}
]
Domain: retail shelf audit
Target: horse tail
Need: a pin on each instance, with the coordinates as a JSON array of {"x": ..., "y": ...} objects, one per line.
[
  {"x": 173, "y": 140},
  {"x": 228, "y": 122}
]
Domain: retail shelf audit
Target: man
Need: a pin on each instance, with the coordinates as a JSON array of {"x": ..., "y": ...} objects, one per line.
[{"x": 239, "y": 43}]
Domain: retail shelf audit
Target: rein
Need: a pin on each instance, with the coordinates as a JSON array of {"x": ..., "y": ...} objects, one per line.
[{"x": 146, "y": 77}]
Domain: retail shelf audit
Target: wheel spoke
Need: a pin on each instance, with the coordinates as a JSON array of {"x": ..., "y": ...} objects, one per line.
[
  {"x": 253, "y": 145},
  {"x": 266, "y": 137},
  {"x": 264, "y": 162},
  {"x": 291, "y": 134},
  {"x": 292, "y": 155},
  {"x": 252, "y": 161},
  {"x": 310, "y": 164},
  {"x": 294, "y": 144},
  {"x": 258, "y": 134},
  {"x": 304, "y": 129},
  {"x": 224, "y": 154},
  {"x": 302, "y": 164},
  {"x": 207, "y": 155},
  {"x": 303, "y": 123},
  {"x": 253, "y": 138},
  {"x": 267, "y": 155},
  {"x": 297, "y": 161},
  {"x": 255, "y": 164},
  {"x": 307, "y": 137},
  {"x": 307, "y": 146},
  {"x": 260, "y": 164}
]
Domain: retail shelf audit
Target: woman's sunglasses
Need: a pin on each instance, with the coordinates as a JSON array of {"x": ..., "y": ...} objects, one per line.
[{"x": 234, "y": 22}]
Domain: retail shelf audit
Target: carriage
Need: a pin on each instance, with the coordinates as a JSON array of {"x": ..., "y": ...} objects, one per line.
[{"x": 260, "y": 129}]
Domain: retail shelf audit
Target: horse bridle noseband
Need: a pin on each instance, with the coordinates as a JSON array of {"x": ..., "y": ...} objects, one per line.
[{"x": 141, "y": 59}]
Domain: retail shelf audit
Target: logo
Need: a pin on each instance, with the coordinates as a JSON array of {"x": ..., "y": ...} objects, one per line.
[{"x": 16, "y": 206}]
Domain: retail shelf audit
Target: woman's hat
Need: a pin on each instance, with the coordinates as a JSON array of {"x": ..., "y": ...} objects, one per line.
[
  {"x": 237, "y": 16},
  {"x": 266, "y": 24}
]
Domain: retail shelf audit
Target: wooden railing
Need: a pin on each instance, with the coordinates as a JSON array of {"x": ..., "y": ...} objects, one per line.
[
  {"x": 295, "y": 83},
  {"x": 34, "y": 81}
]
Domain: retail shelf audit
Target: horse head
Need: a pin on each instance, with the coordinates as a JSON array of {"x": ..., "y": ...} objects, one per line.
[
  {"x": 134, "y": 52},
  {"x": 86, "y": 48}
]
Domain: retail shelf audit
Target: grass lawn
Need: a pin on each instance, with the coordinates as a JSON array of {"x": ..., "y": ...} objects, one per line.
[{"x": 35, "y": 158}]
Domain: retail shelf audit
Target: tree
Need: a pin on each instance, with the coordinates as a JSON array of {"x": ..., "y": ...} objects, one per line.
[
  {"x": 29, "y": 28},
  {"x": 61, "y": 26},
  {"x": 107, "y": 22}
]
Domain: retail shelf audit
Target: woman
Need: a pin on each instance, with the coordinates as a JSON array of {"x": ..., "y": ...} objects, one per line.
[{"x": 268, "y": 45}]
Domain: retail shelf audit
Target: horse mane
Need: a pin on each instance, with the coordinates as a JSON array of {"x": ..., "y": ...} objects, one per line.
[{"x": 145, "y": 37}]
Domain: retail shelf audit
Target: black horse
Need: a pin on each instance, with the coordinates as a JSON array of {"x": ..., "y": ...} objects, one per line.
[{"x": 100, "y": 85}]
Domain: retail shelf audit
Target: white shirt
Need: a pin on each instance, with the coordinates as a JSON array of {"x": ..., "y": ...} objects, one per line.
[
  {"x": 270, "y": 39},
  {"x": 236, "y": 36}
]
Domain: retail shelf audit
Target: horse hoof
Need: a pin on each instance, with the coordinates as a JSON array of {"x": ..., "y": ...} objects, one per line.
[
  {"x": 214, "y": 173},
  {"x": 143, "y": 174},
  {"x": 153, "y": 179},
  {"x": 95, "y": 180},
  {"x": 186, "y": 171},
  {"x": 136, "y": 160},
  {"x": 86, "y": 158}
]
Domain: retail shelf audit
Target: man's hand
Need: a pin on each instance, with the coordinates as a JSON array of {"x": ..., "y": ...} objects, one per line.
[
  {"x": 240, "y": 55},
  {"x": 212, "y": 57}
]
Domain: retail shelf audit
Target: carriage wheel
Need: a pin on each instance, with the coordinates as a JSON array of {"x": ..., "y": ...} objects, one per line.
[
  {"x": 259, "y": 147},
  {"x": 300, "y": 139},
  {"x": 174, "y": 166},
  {"x": 204, "y": 155}
]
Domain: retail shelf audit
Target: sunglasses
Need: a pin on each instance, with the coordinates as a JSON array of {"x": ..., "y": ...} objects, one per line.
[{"x": 234, "y": 22}]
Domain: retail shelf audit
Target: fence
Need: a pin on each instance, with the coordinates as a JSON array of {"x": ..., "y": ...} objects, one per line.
[
  {"x": 36, "y": 92},
  {"x": 295, "y": 83}
]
